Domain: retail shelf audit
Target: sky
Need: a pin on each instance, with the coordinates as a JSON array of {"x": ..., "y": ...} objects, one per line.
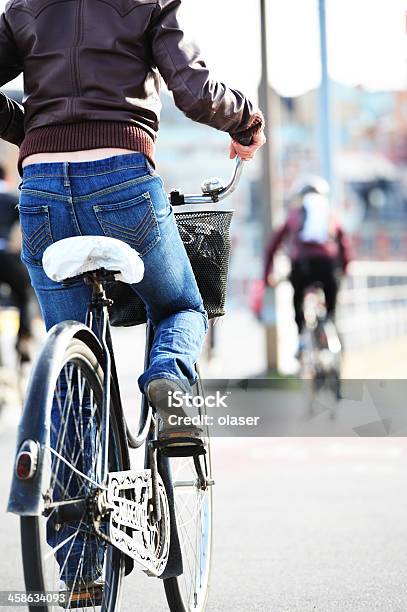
[{"x": 367, "y": 42}]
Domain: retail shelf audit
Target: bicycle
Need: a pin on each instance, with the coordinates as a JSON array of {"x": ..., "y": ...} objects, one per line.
[
  {"x": 320, "y": 356},
  {"x": 81, "y": 505}
]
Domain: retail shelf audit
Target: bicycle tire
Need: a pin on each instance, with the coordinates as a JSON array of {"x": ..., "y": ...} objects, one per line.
[
  {"x": 35, "y": 533},
  {"x": 180, "y": 598}
]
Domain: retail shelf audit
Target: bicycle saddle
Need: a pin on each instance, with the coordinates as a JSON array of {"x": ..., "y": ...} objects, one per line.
[{"x": 74, "y": 256}]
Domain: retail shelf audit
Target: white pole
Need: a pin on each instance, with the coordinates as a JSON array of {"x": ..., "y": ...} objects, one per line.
[{"x": 325, "y": 106}]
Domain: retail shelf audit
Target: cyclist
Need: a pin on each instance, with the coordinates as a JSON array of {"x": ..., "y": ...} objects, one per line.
[
  {"x": 318, "y": 247},
  {"x": 87, "y": 135},
  {"x": 12, "y": 271}
]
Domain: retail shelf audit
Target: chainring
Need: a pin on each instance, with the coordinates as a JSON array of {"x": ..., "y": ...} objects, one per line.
[{"x": 132, "y": 530}]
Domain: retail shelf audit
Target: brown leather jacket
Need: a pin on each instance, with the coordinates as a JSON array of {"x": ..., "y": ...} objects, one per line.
[{"x": 100, "y": 60}]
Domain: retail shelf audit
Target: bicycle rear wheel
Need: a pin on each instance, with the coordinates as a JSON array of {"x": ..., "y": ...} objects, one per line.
[
  {"x": 193, "y": 512},
  {"x": 62, "y": 552}
]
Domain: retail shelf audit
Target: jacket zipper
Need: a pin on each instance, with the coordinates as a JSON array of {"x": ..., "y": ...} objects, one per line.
[{"x": 75, "y": 53}]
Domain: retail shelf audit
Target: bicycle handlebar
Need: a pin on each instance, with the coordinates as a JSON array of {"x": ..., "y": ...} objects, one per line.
[
  {"x": 213, "y": 190},
  {"x": 246, "y": 141}
]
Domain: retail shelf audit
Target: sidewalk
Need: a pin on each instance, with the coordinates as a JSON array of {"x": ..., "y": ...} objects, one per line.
[
  {"x": 386, "y": 360},
  {"x": 241, "y": 353}
]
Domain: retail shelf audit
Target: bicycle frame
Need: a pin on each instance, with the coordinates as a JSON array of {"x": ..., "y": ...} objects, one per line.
[{"x": 97, "y": 319}]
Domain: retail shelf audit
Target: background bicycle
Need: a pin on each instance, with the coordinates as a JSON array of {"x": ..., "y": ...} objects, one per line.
[{"x": 320, "y": 353}]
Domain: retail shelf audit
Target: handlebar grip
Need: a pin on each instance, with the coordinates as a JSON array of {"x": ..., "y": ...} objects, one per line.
[
  {"x": 246, "y": 141},
  {"x": 177, "y": 198}
]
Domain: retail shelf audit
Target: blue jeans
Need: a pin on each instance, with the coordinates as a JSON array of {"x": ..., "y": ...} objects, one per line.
[{"x": 121, "y": 197}]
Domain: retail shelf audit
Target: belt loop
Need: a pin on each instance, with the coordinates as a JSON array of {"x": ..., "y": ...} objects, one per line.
[
  {"x": 66, "y": 174},
  {"x": 150, "y": 167}
]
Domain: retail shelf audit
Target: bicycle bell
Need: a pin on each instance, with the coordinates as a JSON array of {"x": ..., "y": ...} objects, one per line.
[{"x": 212, "y": 185}]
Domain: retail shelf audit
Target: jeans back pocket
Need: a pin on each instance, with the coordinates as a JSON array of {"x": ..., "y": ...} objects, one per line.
[
  {"x": 133, "y": 222},
  {"x": 36, "y": 232}
]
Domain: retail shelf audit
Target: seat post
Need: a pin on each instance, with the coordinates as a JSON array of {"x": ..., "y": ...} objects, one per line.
[
  {"x": 98, "y": 319},
  {"x": 98, "y": 290}
]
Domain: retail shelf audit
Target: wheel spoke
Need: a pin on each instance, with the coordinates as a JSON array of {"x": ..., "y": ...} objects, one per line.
[
  {"x": 95, "y": 484},
  {"x": 52, "y": 551}
]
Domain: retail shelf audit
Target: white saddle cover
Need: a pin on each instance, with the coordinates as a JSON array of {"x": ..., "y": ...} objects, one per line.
[{"x": 73, "y": 256}]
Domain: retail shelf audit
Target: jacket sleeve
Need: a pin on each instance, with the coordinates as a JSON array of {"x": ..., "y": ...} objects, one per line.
[
  {"x": 11, "y": 113},
  {"x": 199, "y": 96},
  {"x": 276, "y": 241}
]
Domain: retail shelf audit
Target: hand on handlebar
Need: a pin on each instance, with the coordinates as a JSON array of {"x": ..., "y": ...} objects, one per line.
[{"x": 247, "y": 152}]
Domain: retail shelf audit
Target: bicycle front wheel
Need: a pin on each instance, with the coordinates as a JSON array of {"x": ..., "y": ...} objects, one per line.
[
  {"x": 193, "y": 514},
  {"x": 65, "y": 555}
]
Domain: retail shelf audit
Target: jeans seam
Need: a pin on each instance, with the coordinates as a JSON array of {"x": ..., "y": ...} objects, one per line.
[
  {"x": 44, "y": 241},
  {"x": 35, "y": 246},
  {"x": 108, "y": 171},
  {"x": 150, "y": 223},
  {"x": 113, "y": 188},
  {"x": 158, "y": 234},
  {"x": 42, "y": 236},
  {"x": 36, "y": 233},
  {"x": 128, "y": 230},
  {"x": 129, "y": 235},
  {"x": 73, "y": 216},
  {"x": 134, "y": 241},
  {"x": 147, "y": 227},
  {"x": 43, "y": 194},
  {"x": 121, "y": 205}
]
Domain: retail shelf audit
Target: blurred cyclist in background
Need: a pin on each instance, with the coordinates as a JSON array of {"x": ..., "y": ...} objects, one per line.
[
  {"x": 317, "y": 246},
  {"x": 12, "y": 271}
]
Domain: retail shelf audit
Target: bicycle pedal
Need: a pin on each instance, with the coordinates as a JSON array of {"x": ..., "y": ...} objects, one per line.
[
  {"x": 180, "y": 446},
  {"x": 83, "y": 597}
]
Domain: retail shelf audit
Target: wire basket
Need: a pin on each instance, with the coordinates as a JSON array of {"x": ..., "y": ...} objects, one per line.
[{"x": 206, "y": 237}]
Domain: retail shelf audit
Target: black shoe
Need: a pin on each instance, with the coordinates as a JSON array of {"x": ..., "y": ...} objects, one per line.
[{"x": 159, "y": 392}]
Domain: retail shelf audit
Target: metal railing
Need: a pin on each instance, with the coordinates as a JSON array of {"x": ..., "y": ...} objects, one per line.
[{"x": 372, "y": 303}]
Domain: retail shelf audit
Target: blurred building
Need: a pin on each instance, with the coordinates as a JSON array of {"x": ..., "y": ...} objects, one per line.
[{"x": 370, "y": 161}]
